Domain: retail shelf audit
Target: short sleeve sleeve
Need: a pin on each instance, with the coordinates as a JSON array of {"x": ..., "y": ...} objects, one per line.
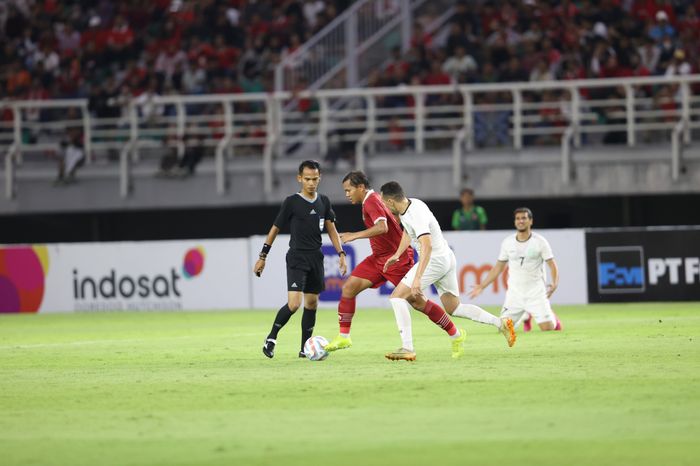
[
  {"x": 374, "y": 211},
  {"x": 421, "y": 221},
  {"x": 483, "y": 218},
  {"x": 455, "y": 220},
  {"x": 546, "y": 249},
  {"x": 503, "y": 253},
  {"x": 284, "y": 214},
  {"x": 330, "y": 213}
]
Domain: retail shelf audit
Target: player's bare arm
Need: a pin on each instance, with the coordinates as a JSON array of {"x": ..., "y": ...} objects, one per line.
[
  {"x": 377, "y": 229},
  {"x": 490, "y": 278},
  {"x": 426, "y": 249},
  {"x": 260, "y": 263},
  {"x": 335, "y": 239},
  {"x": 403, "y": 245},
  {"x": 554, "y": 274}
]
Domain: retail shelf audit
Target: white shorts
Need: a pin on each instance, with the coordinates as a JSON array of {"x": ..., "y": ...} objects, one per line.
[
  {"x": 441, "y": 272},
  {"x": 517, "y": 305}
]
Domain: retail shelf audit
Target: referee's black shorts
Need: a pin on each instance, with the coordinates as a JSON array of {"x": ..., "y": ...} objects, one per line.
[{"x": 305, "y": 271}]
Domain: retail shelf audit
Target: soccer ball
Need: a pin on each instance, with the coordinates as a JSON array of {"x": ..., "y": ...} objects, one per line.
[{"x": 315, "y": 348}]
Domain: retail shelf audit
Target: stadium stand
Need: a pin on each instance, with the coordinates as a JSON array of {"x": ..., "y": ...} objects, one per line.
[{"x": 463, "y": 77}]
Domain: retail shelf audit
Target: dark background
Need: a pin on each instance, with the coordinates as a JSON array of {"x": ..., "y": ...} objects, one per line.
[
  {"x": 657, "y": 244},
  {"x": 134, "y": 225}
]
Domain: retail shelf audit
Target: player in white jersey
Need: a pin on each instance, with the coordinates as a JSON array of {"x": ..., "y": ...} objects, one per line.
[
  {"x": 437, "y": 266},
  {"x": 528, "y": 295}
]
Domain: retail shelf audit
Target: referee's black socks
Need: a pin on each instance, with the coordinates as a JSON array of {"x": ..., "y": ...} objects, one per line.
[
  {"x": 281, "y": 320},
  {"x": 308, "y": 321}
]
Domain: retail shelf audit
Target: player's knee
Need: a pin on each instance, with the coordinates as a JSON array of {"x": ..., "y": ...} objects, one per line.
[
  {"x": 294, "y": 305},
  {"x": 401, "y": 292},
  {"x": 417, "y": 304},
  {"x": 350, "y": 289},
  {"x": 311, "y": 304}
]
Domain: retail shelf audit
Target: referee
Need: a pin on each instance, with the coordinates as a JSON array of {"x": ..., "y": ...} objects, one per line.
[{"x": 307, "y": 212}]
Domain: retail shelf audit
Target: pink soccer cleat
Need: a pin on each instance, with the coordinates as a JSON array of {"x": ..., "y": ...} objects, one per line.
[
  {"x": 527, "y": 324},
  {"x": 559, "y": 326}
]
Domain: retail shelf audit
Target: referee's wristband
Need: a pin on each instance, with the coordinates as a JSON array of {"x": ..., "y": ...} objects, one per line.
[
  {"x": 342, "y": 253},
  {"x": 265, "y": 251}
]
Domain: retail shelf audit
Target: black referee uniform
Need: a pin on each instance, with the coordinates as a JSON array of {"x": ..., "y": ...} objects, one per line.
[
  {"x": 306, "y": 219},
  {"x": 304, "y": 259}
]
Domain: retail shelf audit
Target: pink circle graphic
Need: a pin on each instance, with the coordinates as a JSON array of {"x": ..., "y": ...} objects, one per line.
[
  {"x": 21, "y": 280},
  {"x": 193, "y": 263}
]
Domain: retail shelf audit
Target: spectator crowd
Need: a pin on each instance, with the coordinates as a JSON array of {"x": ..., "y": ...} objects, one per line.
[
  {"x": 83, "y": 48},
  {"x": 501, "y": 41},
  {"x": 110, "y": 51}
]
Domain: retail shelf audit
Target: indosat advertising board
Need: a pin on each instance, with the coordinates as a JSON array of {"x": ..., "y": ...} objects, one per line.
[{"x": 167, "y": 275}]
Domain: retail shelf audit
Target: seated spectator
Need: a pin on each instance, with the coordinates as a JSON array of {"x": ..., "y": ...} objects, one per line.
[
  {"x": 678, "y": 65},
  {"x": 662, "y": 27},
  {"x": 649, "y": 55},
  {"x": 541, "y": 72},
  {"x": 513, "y": 72},
  {"x": 460, "y": 65},
  {"x": 71, "y": 155},
  {"x": 171, "y": 166}
]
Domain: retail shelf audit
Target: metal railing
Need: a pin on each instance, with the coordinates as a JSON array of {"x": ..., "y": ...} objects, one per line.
[
  {"x": 358, "y": 41},
  {"x": 420, "y": 119}
]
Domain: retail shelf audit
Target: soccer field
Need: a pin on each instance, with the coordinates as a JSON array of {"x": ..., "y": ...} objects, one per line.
[{"x": 621, "y": 385}]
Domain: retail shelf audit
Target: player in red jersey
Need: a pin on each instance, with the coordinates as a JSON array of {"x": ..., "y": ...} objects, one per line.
[{"x": 384, "y": 233}]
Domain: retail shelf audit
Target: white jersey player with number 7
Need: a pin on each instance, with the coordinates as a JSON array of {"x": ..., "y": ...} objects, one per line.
[{"x": 526, "y": 252}]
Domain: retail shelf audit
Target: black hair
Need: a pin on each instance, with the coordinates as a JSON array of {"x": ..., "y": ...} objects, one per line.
[
  {"x": 466, "y": 190},
  {"x": 393, "y": 190},
  {"x": 310, "y": 164},
  {"x": 357, "y": 178},
  {"x": 523, "y": 210}
]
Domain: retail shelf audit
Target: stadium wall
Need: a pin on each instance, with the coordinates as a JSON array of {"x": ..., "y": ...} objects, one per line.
[{"x": 244, "y": 221}]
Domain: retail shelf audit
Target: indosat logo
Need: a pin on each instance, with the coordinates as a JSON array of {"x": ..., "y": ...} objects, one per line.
[
  {"x": 22, "y": 278},
  {"x": 117, "y": 291}
]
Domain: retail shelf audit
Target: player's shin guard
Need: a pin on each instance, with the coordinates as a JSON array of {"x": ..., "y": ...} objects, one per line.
[
  {"x": 308, "y": 321},
  {"x": 281, "y": 320},
  {"x": 346, "y": 311},
  {"x": 440, "y": 318}
]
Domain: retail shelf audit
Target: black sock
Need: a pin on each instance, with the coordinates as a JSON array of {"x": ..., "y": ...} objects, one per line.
[
  {"x": 281, "y": 320},
  {"x": 308, "y": 321}
]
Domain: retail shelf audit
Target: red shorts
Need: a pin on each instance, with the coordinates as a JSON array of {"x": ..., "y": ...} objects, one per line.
[{"x": 370, "y": 269}]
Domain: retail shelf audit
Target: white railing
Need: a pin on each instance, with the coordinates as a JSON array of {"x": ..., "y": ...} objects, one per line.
[
  {"x": 424, "y": 119},
  {"x": 358, "y": 41}
]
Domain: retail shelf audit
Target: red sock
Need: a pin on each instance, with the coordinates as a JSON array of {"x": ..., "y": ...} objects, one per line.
[
  {"x": 346, "y": 310},
  {"x": 440, "y": 317}
]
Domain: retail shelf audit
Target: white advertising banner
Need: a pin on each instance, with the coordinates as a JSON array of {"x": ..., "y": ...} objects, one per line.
[
  {"x": 476, "y": 254},
  {"x": 217, "y": 274},
  {"x": 158, "y": 275}
]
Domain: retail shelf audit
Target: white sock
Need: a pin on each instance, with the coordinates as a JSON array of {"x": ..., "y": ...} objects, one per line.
[
  {"x": 475, "y": 313},
  {"x": 403, "y": 321},
  {"x": 344, "y": 335},
  {"x": 523, "y": 318}
]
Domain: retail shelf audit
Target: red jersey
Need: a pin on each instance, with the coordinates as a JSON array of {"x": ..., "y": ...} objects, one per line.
[{"x": 383, "y": 246}]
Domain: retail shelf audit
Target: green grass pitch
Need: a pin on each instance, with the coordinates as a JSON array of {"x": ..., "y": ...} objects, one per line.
[{"x": 620, "y": 385}]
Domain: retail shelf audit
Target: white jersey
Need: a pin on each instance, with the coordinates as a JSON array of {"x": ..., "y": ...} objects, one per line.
[
  {"x": 417, "y": 221},
  {"x": 526, "y": 272}
]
